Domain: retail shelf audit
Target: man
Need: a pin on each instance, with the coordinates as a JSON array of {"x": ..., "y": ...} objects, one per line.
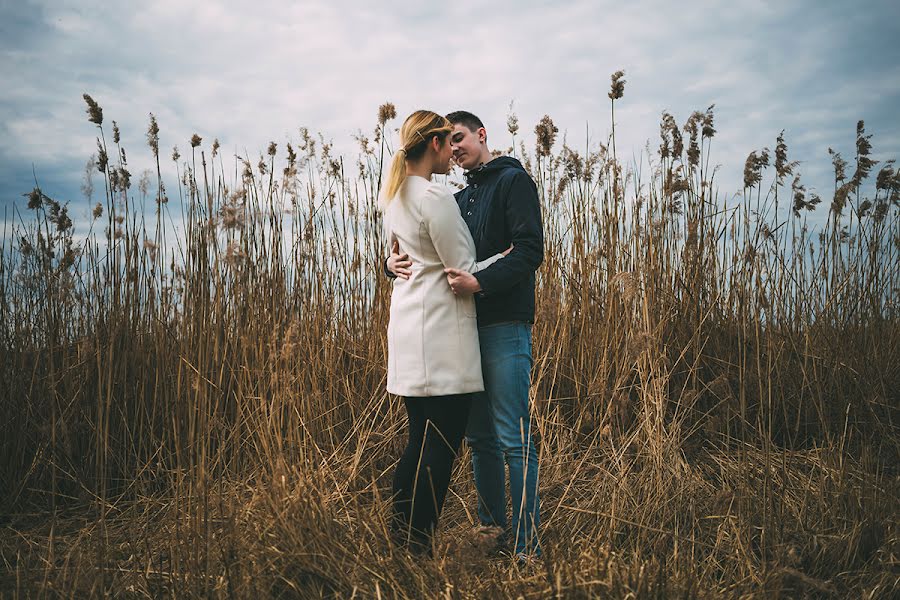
[{"x": 501, "y": 208}]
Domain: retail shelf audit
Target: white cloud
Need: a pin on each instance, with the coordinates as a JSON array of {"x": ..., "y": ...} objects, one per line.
[{"x": 249, "y": 73}]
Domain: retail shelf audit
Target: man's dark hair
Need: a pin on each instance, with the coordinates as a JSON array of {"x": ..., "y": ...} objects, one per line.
[{"x": 464, "y": 117}]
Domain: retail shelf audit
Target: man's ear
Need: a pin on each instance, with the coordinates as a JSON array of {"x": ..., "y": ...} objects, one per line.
[{"x": 482, "y": 135}]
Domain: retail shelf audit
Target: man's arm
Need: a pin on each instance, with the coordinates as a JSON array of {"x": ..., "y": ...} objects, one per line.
[
  {"x": 397, "y": 264},
  {"x": 523, "y": 217}
]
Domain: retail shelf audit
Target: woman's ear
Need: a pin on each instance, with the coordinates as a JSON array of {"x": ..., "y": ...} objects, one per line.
[{"x": 435, "y": 143}]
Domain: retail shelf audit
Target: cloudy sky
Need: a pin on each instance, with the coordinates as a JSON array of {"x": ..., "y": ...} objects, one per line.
[{"x": 251, "y": 72}]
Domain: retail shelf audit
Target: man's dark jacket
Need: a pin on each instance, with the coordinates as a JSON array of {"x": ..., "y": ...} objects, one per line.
[{"x": 501, "y": 207}]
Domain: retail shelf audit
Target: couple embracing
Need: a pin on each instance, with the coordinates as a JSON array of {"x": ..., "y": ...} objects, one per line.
[{"x": 459, "y": 335}]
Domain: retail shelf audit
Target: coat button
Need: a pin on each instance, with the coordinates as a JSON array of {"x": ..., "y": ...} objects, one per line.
[{"x": 469, "y": 213}]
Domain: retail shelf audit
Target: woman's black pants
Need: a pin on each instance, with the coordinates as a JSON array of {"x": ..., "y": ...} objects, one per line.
[{"x": 437, "y": 425}]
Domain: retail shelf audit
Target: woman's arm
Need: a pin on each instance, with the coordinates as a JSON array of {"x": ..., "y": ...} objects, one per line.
[
  {"x": 484, "y": 264},
  {"x": 448, "y": 232}
]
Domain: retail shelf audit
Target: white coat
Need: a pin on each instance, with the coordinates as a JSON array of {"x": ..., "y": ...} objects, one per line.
[{"x": 432, "y": 333}]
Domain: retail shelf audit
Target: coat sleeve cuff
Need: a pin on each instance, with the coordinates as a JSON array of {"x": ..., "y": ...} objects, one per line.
[
  {"x": 387, "y": 271},
  {"x": 482, "y": 293}
]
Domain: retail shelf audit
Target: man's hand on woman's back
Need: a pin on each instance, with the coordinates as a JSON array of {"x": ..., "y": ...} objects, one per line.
[{"x": 397, "y": 263}]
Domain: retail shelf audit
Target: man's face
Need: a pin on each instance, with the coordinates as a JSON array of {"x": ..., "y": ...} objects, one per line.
[{"x": 466, "y": 146}]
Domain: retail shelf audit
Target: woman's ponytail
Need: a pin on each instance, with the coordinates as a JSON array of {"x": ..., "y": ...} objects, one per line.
[{"x": 395, "y": 177}]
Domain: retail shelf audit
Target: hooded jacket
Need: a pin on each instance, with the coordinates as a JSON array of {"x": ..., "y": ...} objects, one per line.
[{"x": 500, "y": 206}]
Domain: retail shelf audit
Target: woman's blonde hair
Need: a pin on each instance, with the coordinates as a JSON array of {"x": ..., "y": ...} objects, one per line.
[{"x": 416, "y": 133}]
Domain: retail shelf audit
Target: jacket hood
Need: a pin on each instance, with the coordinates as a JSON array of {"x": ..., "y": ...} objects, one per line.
[{"x": 493, "y": 168}]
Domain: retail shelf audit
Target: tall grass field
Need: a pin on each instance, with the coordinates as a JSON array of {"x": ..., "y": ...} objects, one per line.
[{"x": 193, "y": 387}]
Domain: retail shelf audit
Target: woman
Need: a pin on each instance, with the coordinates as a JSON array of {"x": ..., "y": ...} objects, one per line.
[{"x": 434, "y": 361}]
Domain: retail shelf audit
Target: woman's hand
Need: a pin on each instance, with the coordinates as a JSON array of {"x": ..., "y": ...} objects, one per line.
[
  {"x": 508, "y": 250},
  {"x": 462, "y": 282}
]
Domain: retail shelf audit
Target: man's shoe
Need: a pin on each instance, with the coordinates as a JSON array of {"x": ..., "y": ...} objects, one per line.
[{"x": 528, "y": 561}]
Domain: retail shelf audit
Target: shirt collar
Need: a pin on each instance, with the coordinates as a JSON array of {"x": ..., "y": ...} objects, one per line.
[{"x": 475, "y": 173}]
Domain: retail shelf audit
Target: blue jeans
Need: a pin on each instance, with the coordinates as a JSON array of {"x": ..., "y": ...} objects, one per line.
[{"x": 499, "y": 431}]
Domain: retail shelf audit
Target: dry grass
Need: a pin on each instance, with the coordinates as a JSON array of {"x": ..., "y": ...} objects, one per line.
[{"x": 202, "y": 413}]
